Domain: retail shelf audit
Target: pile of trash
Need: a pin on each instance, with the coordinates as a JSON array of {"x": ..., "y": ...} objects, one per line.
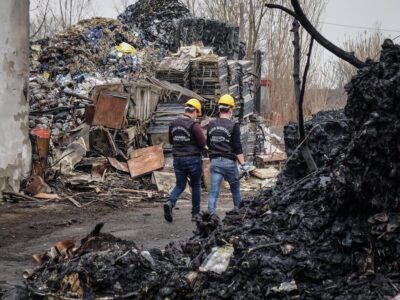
[
  {"x": 331, "y": 234},
  {"x": 95, "y": 45},
  {"x": 155, "y": 19}
]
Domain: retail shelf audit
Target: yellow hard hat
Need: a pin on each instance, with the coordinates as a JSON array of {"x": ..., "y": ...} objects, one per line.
[
  {"x": 196, "y": 104},
  {"x": 227, "y": 100}
]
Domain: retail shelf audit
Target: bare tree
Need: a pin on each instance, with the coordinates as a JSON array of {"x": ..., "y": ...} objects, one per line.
[
  {"x": 121, "y": 5},
  {"x": 70, "y": 12},
  {"x": 275, "y": 40},
  {"x": 41, "y": 8},
  {"x": 195, "y": 7},
  {"x": 248, "y": 15},
  {"x": 366, "y": 45},
  {"x": 50, "y": 16}
]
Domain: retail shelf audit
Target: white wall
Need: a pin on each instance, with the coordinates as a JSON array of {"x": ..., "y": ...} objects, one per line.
[{"x": 15, "y": 148}]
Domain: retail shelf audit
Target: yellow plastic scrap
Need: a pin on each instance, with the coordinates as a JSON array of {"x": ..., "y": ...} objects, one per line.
[
  {"x": 46, "y": 75},
  {"x": 126, "y": 48}
]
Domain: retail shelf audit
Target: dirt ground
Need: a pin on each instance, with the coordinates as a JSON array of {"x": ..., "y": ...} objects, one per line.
[{"x": 27, "y": 230}]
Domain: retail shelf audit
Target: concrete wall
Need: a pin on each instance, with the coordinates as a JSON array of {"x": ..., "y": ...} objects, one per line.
[{"x": 15, "y": 147}]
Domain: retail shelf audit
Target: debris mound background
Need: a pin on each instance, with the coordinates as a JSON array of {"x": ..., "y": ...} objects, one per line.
[
  {"x": 155, "y": 19},
  {"x": 84, "y": 47}
]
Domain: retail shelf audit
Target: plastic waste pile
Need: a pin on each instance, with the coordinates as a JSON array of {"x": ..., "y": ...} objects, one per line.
[
  {"x": 92, "y": 45},
  {"x": 330, "y": 234}
]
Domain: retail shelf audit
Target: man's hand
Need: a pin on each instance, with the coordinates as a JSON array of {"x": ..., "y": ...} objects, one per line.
[{"x": 246, "y": 169}]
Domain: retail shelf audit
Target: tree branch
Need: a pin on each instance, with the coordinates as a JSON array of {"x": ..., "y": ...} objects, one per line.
[
  {"x": 302, "y": 18},
  {"x": 285, "y": 9},
  {"x": 43, "y": 21},
  {"x": 302, "y": 92}
]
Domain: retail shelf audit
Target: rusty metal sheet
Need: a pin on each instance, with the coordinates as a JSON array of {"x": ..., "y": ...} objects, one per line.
[
  {"x": 110, "y": 110},
  {"x": 106, "y": 88},
  {"x": 40, "y": 146},
  {"x": 89, "y": 113},
  {"x": 146, "y": 160},
  {"x": 121, "y": 166}
]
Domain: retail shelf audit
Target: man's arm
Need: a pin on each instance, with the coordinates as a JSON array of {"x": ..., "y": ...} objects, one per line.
[
  {"x": 199, "y": 135},
  {"x": 170, "y": 135},
  {"x": 237, "y": 145}
]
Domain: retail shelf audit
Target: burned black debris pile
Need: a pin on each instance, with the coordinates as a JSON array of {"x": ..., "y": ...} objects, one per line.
[
  {"x": 331, "y": 234},
  {"x": 220, "y": 35},
  {"x": 328, "y": 134},
  {"x": 155, "y": 19},
  {"x": 107, "y": 266}
]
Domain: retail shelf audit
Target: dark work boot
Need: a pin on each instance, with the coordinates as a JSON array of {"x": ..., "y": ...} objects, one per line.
[{"x": 168, "y": 211}]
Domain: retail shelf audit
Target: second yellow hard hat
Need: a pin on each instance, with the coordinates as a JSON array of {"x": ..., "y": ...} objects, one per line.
[{"x": 227, "y": 100}]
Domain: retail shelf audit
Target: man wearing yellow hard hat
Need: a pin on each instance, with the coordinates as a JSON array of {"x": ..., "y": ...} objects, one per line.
[
  {"x": 188, "y": 141},
  {"x": 223, "y": 140}
]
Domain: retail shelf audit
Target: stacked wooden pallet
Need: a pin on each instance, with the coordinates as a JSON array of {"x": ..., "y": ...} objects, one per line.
[
  {"x": 247, "y": 95},
  {"x": 209, "y": 76},
  {"x": 174, "y": 70}
]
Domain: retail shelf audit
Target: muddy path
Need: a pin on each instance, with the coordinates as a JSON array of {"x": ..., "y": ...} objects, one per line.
[{"x": 25, "y": 231}]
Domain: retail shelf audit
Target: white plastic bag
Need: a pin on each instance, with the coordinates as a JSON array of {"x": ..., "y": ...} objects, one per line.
[{"x": 218, "y": 260}]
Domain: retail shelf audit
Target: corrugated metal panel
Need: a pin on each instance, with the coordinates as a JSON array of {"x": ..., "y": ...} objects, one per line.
[{"x": 144, "y": 98}]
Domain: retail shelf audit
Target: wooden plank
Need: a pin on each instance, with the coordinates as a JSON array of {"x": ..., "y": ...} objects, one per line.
[{"x": 146, "y": 160}]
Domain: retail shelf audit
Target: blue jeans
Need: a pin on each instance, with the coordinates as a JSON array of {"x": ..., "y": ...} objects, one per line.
[
  {"x": 223, "y": 168},
  {"x": 188, "y": 167}
]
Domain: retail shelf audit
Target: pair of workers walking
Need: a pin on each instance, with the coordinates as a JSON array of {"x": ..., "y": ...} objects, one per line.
[{"x": 225, "y": 150}]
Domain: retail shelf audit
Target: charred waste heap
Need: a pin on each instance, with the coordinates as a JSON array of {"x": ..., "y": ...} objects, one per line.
[{"x": 330, "y": 234}]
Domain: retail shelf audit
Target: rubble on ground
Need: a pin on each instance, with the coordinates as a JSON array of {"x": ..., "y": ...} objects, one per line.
[
  {"x": 331, "y": 234},
  {"x": 328, "y": 134}
]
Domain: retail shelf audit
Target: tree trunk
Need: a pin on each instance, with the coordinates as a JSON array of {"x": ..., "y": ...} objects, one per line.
[
  {"x": 15, "y": 147},
  {"x": 241, "y": 21},
  {"x": 250, "y": 48},
  {"x": 305, "y": 150}
]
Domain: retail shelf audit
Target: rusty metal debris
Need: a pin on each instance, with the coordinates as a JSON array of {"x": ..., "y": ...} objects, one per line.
[{"x": 110, "y": 110}]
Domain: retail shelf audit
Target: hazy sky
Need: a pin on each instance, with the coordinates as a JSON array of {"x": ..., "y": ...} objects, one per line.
[{"x": 358, "y": 13}]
